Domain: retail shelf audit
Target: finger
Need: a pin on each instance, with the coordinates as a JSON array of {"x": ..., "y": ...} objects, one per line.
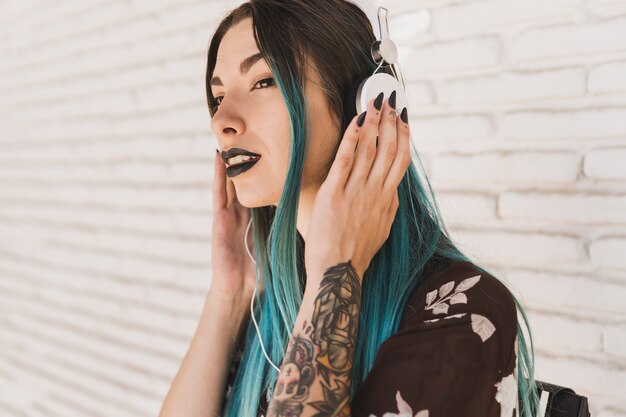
[
  {"x": 402, "y": 160},
  {"x": 395, "y": 202},
  {"x": 389, "y": 217},
  {"x": 231, "y": 192},
  {"x": 366, "y": 147},
  {"x": 344, "y": 158},
  {"x": 392, "y": 211},
  {"x": 387, "y": 144},
  {"x": 219, "y": 182}
]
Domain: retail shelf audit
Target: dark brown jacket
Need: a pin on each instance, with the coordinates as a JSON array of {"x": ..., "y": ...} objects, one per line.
[{"x": 453, "y": 355}]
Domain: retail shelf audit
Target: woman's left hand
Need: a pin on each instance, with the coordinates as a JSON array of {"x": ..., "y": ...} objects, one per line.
[{"x": 357, "y": 203}]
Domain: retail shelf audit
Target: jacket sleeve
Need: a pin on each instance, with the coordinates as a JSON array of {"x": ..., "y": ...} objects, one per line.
[
  {"x": 456, "y": 356},
  {"x": 232, "y": 372}
]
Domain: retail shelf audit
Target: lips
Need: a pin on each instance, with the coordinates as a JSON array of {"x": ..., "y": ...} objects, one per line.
[
  {"x": 226, "y": 155},
  {"x": 236, "y": 169},
  {"x": 239, "y": 168}
]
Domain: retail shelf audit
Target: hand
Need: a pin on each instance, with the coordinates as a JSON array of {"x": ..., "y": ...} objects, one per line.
[
  {"x": 355, "y": 207},
  {"x": 233, "y": 271}
]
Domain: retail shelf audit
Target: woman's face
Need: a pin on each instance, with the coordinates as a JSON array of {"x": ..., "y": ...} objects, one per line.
[{"x": 253, "y": 116}]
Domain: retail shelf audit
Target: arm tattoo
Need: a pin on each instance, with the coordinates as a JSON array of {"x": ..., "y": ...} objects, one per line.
[{"x": 321, "y": 353}]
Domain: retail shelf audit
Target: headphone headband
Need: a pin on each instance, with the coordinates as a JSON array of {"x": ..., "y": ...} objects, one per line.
[{"x": 377, "y": 16}]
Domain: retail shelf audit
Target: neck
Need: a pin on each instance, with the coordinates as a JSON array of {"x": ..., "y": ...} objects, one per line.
[{"x": 305, "y": 206}]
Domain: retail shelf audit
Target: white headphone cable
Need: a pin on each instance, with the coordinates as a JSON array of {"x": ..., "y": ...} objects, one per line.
[{"x": 245, "y": 242}]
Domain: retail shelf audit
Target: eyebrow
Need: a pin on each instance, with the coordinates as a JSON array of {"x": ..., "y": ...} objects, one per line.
[{"x": 244, "y": 67}]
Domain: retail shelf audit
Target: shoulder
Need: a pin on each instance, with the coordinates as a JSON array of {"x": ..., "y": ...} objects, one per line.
[
  {"x": 454, "y": 352},
  {"x": 462, "y": 289}
]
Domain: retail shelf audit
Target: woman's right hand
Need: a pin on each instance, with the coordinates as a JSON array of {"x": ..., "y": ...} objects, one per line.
[{"x": 234, "y": 275}]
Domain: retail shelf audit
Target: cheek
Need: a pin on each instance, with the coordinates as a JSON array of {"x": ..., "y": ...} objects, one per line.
[
  {"x": 279, "y": 172},
  {"x": 281, "y": 151},
  {"x": 324, "y": 143},
  {"x": 318, "y": 162}
]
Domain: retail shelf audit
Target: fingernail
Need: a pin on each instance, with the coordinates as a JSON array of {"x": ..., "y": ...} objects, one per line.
[
  {"x": 392, "y": 100},
  {"x": 404, "y": 116},
  {"x": 379, "y": 101},
  {"x": 361, "y": 119}
]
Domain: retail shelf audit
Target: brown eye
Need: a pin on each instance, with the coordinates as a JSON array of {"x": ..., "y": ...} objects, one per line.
[
  {"x": 264, "y": 80},
  {"x": 269, "y": 82}
]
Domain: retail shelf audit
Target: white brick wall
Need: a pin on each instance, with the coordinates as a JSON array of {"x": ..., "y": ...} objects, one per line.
[
  {"x": 519, "y": 111},
  {"x": 518, "y": 108}
]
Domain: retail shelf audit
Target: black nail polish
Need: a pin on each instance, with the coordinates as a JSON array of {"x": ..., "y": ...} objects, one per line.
[
  {"x": 392, "y": 100},
  {"x": 404, "y": 116},
  {"x": 379, "y": 101},
  {"x": 361, "y": 119}
]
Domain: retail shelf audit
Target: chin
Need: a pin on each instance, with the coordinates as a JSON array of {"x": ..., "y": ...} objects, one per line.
[
  {"x": 253, "y": 204},
  {"x": 253, "y": 199}
]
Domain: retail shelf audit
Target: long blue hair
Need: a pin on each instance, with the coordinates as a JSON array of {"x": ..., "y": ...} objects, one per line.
[{"x": 336, "y": 36}]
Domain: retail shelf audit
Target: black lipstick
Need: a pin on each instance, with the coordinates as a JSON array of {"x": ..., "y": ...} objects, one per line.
[
  {"x": 226, "y": 155},
  {"x": 235, "y": 170}
]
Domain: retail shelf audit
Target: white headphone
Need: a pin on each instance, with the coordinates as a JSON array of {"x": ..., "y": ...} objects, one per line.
[{"x": 384, "y": 52}]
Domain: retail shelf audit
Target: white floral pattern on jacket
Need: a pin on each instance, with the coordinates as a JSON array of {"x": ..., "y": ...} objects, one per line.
[
  {"x": 404, "y": 409},
  {"x": 437, "y": 300},
  {"x": 481, "y": 325}
]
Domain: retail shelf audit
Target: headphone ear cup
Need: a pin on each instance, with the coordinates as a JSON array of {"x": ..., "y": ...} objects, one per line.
[{"x": 350, "y": 102}]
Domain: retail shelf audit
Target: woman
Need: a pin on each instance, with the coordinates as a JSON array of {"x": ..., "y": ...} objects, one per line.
[{"x": 364, "y": 301}]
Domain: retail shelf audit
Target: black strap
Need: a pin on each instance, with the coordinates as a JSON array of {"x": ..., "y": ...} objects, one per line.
[{"x": 563, "y": 401}]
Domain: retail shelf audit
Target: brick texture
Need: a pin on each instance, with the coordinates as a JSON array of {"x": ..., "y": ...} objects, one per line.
[{"x": 518, "y": 110}]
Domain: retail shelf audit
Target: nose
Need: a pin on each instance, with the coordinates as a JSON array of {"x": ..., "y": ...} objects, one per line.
[{"x": 227, "y": 120}]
